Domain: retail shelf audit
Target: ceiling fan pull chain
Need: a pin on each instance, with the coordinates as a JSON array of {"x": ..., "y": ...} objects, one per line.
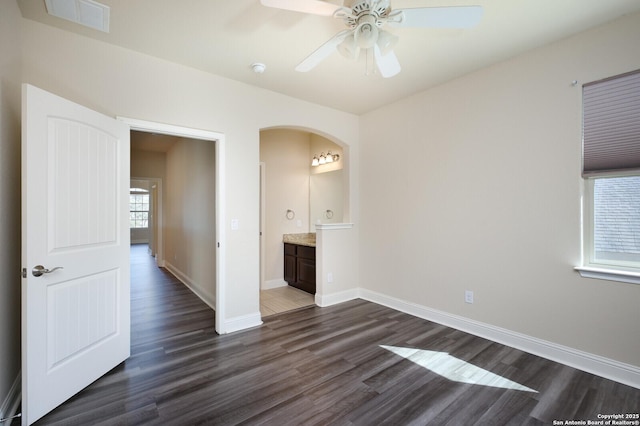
[{"x": 370, "y": 62}]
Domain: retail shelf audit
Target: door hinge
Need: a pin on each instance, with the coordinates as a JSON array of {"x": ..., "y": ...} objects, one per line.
[
  {"x": 24, "y": 272},
  {"x": 218, "y": 245}
]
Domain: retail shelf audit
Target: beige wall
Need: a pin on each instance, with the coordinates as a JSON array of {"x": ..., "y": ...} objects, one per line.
[
  {"x": 148, "y": 164},
  {"x": 10, "y": 45},
  {"x": 190, "y": 221},
  {"x": 286, "y": 155},
  {"x": 120, "y": 82},
  {"x": 481, "y": 190}
]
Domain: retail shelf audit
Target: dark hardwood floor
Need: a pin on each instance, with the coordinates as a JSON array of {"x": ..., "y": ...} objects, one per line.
[{"x": 319, "y": 366}]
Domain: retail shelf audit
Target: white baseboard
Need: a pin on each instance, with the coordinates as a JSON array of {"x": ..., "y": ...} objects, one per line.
[
  {"x": 190, "y": 284},
  {"x": 242, "y": 322},
  {"x": 268, "y": 285},
  {"x": 594, "y": 364},
  {"x": 335, "y": 298},
  {"x": 605, "y": 367},
  {"x": 12, "y": 401},
  {"x": 230, "y": 325}
]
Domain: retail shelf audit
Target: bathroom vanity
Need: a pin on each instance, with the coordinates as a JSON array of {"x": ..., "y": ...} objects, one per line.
[{"x": 300, "y": 261}]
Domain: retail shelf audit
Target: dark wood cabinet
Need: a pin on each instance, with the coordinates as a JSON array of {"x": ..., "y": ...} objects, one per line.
[
  {"x": 300, "y": 267},
  {"x": 290, "y": 266}
]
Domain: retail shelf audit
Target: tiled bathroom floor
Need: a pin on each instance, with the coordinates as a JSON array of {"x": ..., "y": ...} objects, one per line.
[{"x": 282, "y": 299}]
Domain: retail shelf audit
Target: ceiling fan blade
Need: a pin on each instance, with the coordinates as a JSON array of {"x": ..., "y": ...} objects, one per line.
[
  {"x": 440, "y": 17},
  {"x": 322, "y": 52},
  {"x": 315, "y": 7},
  {"x": 388, "y": 64}
]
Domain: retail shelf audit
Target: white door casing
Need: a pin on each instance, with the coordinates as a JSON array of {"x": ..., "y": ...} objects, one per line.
[
  {"x": 219, "y": 139},
  {"x": 75, "y": 192}
]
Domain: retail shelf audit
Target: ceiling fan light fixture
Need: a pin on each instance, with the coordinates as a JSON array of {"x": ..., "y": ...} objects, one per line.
[
  {"x": 386, "y": 42},
  {"x": 348, "y": 47},
  {"x": 364, "y": 20},
  {"x": 366, "y": 35}
]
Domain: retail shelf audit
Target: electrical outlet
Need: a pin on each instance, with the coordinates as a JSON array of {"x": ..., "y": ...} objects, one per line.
[
  {"x": 468, "y": 296},
  {"x": 330, "y": 277}
]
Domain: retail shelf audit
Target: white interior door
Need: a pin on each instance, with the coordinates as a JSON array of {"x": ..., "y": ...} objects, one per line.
[{"x": 75, "y": 192}]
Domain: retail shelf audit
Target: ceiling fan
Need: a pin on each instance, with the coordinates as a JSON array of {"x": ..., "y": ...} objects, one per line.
[{"x": 365, "y": 20}]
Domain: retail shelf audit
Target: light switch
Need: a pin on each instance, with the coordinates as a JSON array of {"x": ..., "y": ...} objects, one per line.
[{"x": 235, "y": 224}]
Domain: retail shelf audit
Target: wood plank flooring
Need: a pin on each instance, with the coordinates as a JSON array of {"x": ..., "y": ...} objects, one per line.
[{"x": 320, "y": 366}]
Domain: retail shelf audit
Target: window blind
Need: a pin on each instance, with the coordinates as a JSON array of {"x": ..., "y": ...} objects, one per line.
[{"x": 611, "y": 125}]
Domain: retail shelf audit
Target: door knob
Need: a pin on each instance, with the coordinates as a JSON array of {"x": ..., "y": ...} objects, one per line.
[{"x": 40, "y": 270}]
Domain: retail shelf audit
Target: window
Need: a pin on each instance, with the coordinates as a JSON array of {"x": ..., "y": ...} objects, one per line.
[
  {"x": 616, "y": 221},
  {"x": 611, "y": 170},
  {"x": 138, "y": 208}
]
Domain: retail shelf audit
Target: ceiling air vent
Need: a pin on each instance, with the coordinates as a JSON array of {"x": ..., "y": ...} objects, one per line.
[{"x": 84, "y": 12}]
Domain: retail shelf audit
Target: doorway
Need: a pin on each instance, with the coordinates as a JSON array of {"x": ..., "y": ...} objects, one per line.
[
  {"x": 167, "y": 255},
  {"x": 284, "y": 154},
  {"x": 291, "y": 205},
  {"x": 145, "y": 211}
]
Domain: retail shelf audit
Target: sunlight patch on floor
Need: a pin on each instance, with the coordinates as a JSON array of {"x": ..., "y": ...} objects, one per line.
[{"x": 455, "y": 369}]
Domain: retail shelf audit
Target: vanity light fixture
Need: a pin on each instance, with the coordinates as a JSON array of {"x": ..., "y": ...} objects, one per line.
[{"x": 324, "y": 159}]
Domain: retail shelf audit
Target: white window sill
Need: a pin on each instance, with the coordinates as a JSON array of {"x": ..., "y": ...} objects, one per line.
[{"x": 609, "y": 274}]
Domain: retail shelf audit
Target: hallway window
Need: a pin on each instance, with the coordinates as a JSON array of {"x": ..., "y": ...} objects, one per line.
[{"x": 138, "y": 208}]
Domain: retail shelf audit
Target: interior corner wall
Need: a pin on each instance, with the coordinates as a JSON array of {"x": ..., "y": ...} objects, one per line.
[
  {"x": 482, "y": 192},
  {"x": 190, "y": 220},
  {"x": 287, "y": 158},
  {"x": 10, "y": 283}
]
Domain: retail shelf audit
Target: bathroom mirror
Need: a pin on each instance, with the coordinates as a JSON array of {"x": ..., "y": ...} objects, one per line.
[{"x": 326, "y": 198}]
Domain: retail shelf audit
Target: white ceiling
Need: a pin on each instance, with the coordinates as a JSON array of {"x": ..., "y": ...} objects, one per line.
[{"x": 225, "y": 37}]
